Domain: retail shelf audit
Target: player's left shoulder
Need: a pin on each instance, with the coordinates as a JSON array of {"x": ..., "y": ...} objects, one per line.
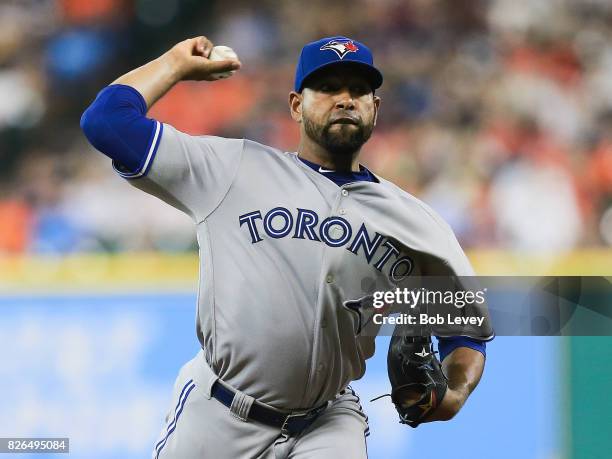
[
  {"x": 419, "y": 208},
  {"x": 433, "y": 233}
]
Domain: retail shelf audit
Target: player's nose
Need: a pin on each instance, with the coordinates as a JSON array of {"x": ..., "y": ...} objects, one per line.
[{"x": 344, "y": 100}]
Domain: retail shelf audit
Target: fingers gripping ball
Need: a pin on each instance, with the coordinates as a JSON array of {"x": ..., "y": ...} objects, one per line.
[
  {"x": 222, "y": 53},
  {"x": 418, "y": 383}
]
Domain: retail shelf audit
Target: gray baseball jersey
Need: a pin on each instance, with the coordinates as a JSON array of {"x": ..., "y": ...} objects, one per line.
[{"x": 281, "y": 249}]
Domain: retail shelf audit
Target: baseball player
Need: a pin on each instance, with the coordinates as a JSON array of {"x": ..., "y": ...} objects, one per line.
[{"x": 286, "y": 240}]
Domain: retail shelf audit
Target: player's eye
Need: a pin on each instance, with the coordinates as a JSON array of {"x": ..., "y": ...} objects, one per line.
[
  {"x": 360, "y": 89},
  {"x": 329, "y": 86}
]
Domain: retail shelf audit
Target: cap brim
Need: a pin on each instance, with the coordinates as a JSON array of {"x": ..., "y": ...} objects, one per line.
[{"x": 371, "y": 73}]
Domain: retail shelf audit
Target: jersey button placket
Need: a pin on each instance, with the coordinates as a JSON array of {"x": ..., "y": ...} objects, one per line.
[{"x": 330, "y": 279}]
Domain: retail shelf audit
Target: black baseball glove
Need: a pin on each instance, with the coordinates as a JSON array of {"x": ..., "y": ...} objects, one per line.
[{"x": 418, "y": 383}]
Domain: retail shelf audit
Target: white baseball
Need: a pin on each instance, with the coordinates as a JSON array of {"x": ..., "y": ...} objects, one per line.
[{"x": 221, "y": 53}]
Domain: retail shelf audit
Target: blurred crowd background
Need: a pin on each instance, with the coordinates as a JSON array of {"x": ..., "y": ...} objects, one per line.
[{"x": 497, "y": 113}]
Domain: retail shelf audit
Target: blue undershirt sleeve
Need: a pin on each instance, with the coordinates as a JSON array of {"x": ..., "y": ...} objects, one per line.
[
  {"x": 116, "y": 125},
  {"x": 448, "y": 345}
]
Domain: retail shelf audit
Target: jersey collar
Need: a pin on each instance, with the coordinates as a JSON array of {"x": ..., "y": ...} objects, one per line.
[{"x": 342, "y": 178}]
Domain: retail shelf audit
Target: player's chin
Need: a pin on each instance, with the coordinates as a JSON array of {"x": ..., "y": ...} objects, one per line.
[
  {"x": 345, "y": 132},
  {"x": 345, "y": 137},
  {"x": 344, "y": 147}
]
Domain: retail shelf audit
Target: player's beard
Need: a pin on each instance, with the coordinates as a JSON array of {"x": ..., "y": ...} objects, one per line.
[{"x": 344, "y": 140}]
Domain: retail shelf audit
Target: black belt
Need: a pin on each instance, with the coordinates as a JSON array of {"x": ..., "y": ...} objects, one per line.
[{"x": 288, "y": 423}]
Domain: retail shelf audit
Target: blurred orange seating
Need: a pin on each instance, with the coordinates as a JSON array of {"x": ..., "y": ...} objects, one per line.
[{"x": 15, "y": 226}]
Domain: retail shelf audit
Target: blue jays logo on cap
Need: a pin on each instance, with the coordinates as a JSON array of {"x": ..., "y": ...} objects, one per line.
[
  {"x": 341, "y": 48},
  {"x": 332, "y": 51}
]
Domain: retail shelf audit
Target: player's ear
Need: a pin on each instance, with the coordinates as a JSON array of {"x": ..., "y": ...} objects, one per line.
[
  {"x": 295, "y": 106},
  {"x": 376, "y": 107}
]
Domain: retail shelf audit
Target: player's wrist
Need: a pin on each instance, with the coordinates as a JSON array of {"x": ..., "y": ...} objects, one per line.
[
  {"x": 175, "y": 64},
  {"x": 451, "y": 405}
]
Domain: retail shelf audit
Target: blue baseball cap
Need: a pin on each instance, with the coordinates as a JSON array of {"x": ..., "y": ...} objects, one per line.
[{"x": 335, "y": 51}]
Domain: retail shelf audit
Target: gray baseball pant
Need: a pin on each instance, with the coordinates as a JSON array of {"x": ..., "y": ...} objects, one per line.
[{"x": 200, "y": 427}]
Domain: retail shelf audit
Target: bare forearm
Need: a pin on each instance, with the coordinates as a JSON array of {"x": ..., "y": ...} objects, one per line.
[
  {"x": 153, "y": 79},
  {"x": 463, "y": 368},
  {"x": 187, "y": 60}
]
